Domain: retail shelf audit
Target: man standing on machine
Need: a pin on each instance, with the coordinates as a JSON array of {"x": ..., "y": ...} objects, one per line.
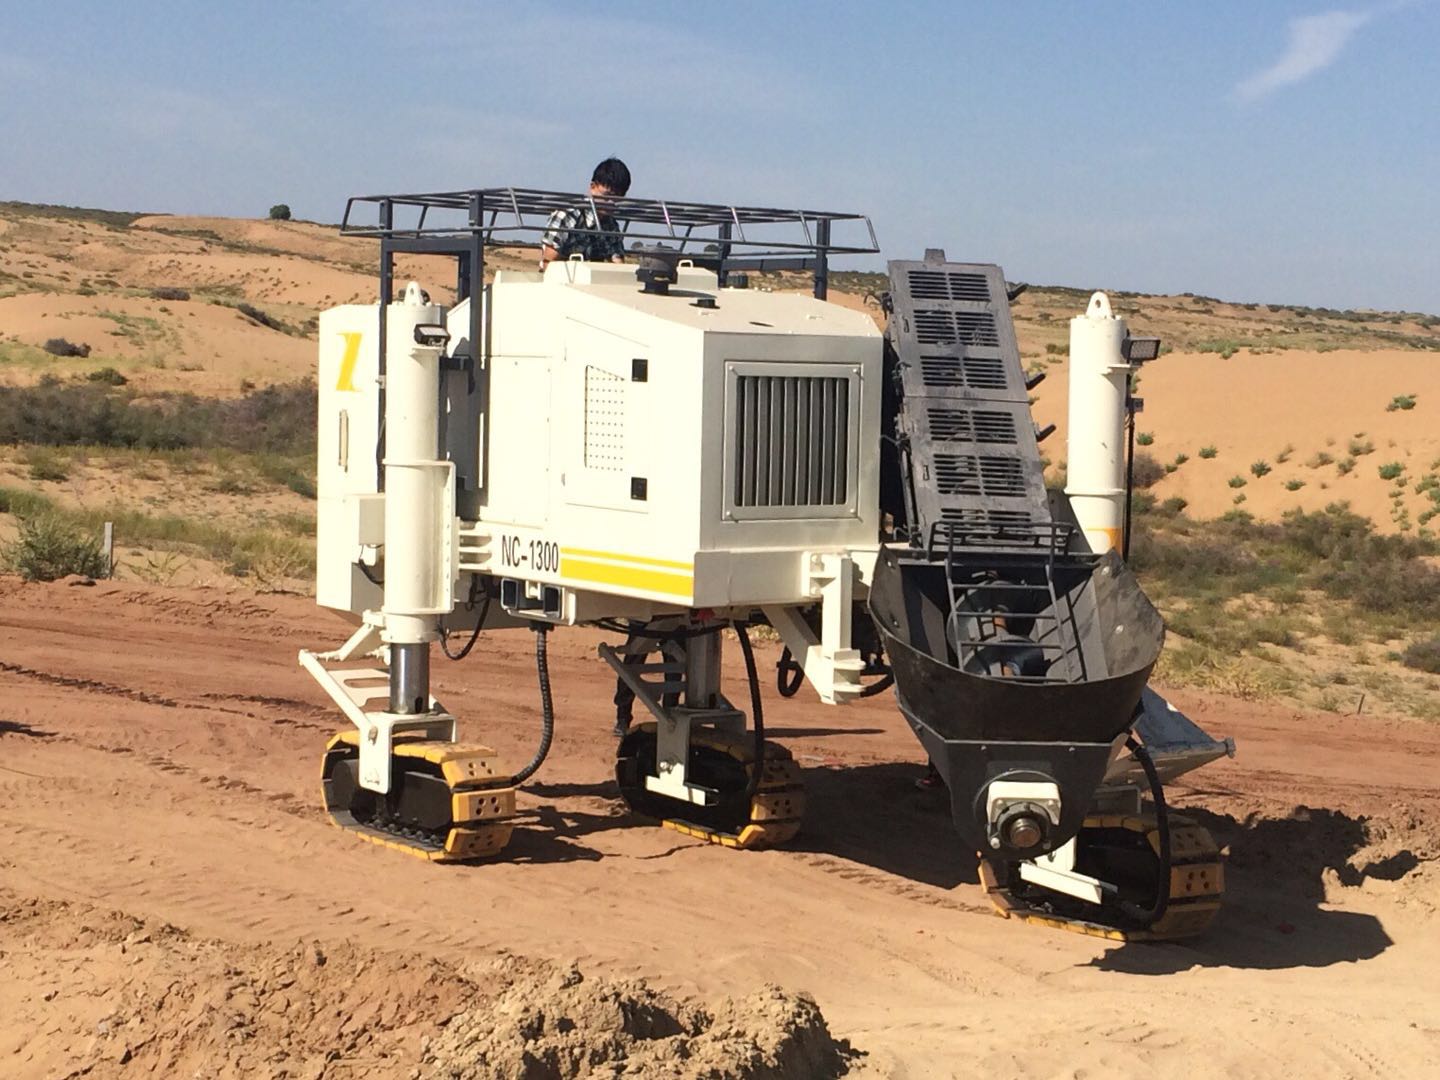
[{"x": 590, "y": 230}]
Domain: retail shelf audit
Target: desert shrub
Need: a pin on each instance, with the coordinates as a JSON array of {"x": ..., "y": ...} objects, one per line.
[
  {"x": 1423, "y": 656},
  {"x": 1172, "y": 507},
  {"x": 1401, "y": 401},
  {"x": 167, "y": 293},
  {"x": 1260, "y": 468},
  {"x": 1360, "y": 446},
  {"x": 1208, "y": 452},
  {"x": 1238, "y": 499},
  {"x": 1391, "y": 470},
  {"x": 275, "y": 419},
  {"x": 1180, "y": 459},
  {"x": 1144, "y": 438},
  {"x": 1294, "y": 485},
  {"x": 250, "y": 311},
  {"x": 48, "y": 548},
  {"x": 1319, "y": 459},
  {"x": 45, "y": 464},
  {"x": 1345, "y": 465},
  {"x": 58, "y": 346},
  {"x": 280, "y": 212},
  {"x": 1237, "y": 481},
  {"x": 1284, "y": 455},
  {"x": 1147, "y": 472},
  {"x": 107, "y": 375}
]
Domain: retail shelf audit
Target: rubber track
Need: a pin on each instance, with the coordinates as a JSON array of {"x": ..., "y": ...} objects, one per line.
[
  {"x": 778, "y": 807},
  {"x": 481, "y": 817},
  {"x": 1197, "y": 884}
]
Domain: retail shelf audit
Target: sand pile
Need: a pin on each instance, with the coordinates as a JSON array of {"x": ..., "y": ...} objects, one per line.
[
  {"x": 1326, "y": 854},
  {"x": 567, "y": 1025},
  {"x": 102, "y": 994}
]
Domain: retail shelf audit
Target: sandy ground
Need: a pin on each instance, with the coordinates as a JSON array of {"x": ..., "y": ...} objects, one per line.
[{"x": 173, "y": 781}]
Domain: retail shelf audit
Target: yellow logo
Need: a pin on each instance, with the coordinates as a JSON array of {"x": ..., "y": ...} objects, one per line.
[{"x": 348, "y": 361}]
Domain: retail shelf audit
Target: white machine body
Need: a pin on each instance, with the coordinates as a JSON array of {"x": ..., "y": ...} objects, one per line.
[
  {"x": 1095, "y": 455},
  {"x": 613, "y": 453}
]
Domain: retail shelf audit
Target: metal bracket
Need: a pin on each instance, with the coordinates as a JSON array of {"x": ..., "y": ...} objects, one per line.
[
  {"x": 1056, "y": 872},
  {"x": 352, "y": 689},
  {"x": 829, "y": 662}
]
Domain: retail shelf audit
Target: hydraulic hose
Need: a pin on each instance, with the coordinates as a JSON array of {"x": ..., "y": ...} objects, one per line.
[
  {"x": 757, "y": 711},
  {"x": 547, "y": 707},
  {"x": 1153, "y": 914},
  {"x": 791, "y": 686},
  {"x": 474, "y": 635}
]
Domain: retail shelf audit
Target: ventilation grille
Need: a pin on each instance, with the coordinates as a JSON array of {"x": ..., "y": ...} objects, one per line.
[
  {"x": 970, "y": 515},
  {"x": 604, "y": 420},
  {"x": 792, "y": 438},
  {"x": 940, "y": 326},
  {"x": 973, "y": 425},
  {"x": 970, "y": 372},
  {"x": 970, "y": 474},
  {"x": 952, "y": 285}
]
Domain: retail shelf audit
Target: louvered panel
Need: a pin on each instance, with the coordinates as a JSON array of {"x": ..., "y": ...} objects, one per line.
[{"x": 790, "y": 441}]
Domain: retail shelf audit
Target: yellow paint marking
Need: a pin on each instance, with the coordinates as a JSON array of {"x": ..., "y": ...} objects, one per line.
[
  {"x": 642, "y": 560},
  {"x": 632, "y": 577},
  {"x": 348, "y": 361}
]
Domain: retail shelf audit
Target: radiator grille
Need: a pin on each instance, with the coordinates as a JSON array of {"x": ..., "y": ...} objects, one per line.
[
  {"x": 949, "y": 285},
  {"x": 967, "y": 515},
  {"x": 604, "y": 420},
  {"x": 972, "y": 425},
  {"x": 946, "y": 326},
  {"x": 791, "y": 441},
  {"x": 972, "y": 372},
  {"x": 972, "y": 474}
]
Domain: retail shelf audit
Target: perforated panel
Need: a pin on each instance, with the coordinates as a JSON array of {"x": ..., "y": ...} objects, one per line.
[
  {"x": 964, "y": 417},
  {"x": 604, "y": 420}
]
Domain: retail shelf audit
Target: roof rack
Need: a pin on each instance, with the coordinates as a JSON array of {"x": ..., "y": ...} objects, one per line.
[{"x": 711, "y": 234}]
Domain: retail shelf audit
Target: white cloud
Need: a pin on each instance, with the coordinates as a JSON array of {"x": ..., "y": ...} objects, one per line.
[{"x": 1316, "y": 41}]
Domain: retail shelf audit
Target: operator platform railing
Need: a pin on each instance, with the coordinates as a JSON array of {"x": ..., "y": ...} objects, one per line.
[{"x": 721, "y": 237}]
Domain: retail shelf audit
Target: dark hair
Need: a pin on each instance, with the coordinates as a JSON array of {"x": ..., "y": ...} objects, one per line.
[{"x": 612, "y": 175}]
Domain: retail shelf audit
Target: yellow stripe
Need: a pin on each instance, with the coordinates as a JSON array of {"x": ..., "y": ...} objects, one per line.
[
  {"x": 642, "y": 560},
  {"x": 348, "y": 361},
  {"x": 630, "y": 577}
]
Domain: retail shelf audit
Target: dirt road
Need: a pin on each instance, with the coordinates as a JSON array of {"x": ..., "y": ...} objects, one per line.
[{"x": 158, "y": 758}]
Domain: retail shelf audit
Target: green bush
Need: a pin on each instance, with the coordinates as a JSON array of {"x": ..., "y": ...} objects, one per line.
[
  {"x": 280, "y": 212},
  {"x": 1391, "y": 470},
  {"x": 1320, "y": 458},
  {"x": 1260, "y": 468},
  {"x": 1294, "y": 485},
  {"x": 1423, "y": 656},
  {"x": 1148, "y": 472},
  {"x": 1360, "y": 446},
  {"x": 1208, "y": 452},
  {"x": 1345, "y": 465},
  {"x": 1144, "y": 438},
  {"x": 1180, "y": 459},
  {"x": 275, "y": 419},
  {"x": 1401, "y": 401},
  {"x": 107, "y": 375},
  {"x": 1237, "y": 481},
  {"x": 48, "y": 548}
]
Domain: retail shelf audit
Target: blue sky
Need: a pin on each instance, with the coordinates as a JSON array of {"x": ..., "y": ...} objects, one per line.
[{"x": 1284, "y": 152}]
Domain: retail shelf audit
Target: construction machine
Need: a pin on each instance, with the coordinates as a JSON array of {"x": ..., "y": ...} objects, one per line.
[{"x": 659, "y": 449}]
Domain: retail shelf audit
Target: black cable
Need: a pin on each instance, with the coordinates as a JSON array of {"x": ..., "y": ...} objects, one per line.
[
  {"x": 879, "y": 686},
  {"x": 547, "y": 707},
  {"x": 791, "y": 686},
  {"x": 1153, "y": 914},
  {"x": 474, "y": 634},
  {"x": 379, "y": 583},
  {"x": 757, "y": 711},
  {"x": 1129, "y": 470}
]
